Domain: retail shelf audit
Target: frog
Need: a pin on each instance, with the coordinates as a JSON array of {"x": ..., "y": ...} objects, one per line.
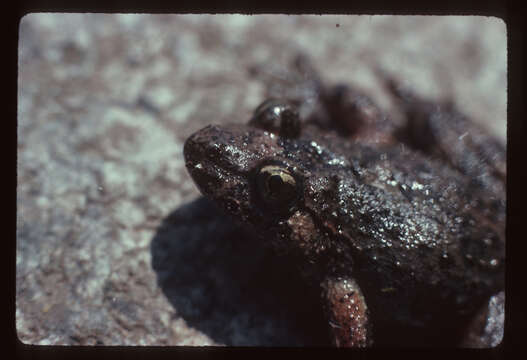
[{"x": 401, "y": 226}]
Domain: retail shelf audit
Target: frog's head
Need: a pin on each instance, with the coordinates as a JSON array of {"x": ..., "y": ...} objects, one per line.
[
  {"x": 266, "y": 180},
  {"x": 242, "y": 169}
]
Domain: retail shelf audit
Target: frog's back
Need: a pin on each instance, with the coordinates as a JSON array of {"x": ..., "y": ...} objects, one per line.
[{"x": 419, "y": 232}]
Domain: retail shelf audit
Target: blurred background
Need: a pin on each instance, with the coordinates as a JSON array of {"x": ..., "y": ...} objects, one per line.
[{"x": 112, "y": 247}]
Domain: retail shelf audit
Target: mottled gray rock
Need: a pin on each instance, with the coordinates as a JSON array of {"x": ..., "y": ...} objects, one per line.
[{"x": 112, "y": 247}]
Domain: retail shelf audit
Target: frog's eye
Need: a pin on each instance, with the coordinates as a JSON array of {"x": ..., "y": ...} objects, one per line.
[
  {"x": 277, "y": 186},
  {"x": 289, "y": 123},
  {"x": 278, "y": 117}
]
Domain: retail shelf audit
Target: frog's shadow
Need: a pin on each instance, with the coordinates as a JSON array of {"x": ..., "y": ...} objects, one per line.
[{"x": 224, "y": 283}]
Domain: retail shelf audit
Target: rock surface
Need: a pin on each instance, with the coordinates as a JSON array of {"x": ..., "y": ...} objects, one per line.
[{"x": 112, "y": 246}]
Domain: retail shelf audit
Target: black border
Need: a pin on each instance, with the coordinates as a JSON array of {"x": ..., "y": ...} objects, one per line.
[{"x": 515, "y": 313}]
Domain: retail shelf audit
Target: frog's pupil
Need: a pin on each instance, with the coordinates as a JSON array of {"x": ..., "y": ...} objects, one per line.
[{"x": 275, "y": 184}]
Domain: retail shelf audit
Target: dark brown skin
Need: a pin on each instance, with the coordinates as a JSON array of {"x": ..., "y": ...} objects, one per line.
[{"x": 401, "y": 227}]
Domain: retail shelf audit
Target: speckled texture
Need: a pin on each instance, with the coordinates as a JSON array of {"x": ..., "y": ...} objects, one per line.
[
  {"x": 111, "y": 248},
  {"x": 422, "y": 234}
]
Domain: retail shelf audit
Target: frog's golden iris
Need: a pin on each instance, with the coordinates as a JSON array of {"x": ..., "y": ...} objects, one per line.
[{"x": 276, "y": 185}]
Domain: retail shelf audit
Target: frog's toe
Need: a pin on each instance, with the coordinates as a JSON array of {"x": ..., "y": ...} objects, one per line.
[{"x": 347, "y": 313}]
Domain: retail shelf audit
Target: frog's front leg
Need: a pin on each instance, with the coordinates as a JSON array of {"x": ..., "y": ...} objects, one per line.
[{"x": 347, "y": 313}]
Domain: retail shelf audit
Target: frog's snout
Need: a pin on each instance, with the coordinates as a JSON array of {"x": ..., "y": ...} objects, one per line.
[{"x": 216, "y": 166}]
